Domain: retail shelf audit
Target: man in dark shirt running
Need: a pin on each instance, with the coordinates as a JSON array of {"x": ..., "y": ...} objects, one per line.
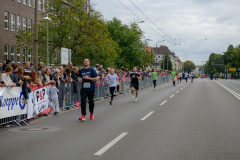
[
  {"x": 134, "y": 77},
  {"x": 87, "y": 76}
]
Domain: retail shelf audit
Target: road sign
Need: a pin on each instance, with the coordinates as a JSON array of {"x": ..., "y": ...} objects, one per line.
[{"x": 233, "y": 69}]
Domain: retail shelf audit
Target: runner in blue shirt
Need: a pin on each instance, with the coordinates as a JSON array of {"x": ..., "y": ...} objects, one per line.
[
  {"x": 87, "y": 76},
  {"x": 113, "y": 82}
]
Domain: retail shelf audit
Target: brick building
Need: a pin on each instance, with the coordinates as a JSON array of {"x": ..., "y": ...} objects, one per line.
[{"x": 17, "y": 15}]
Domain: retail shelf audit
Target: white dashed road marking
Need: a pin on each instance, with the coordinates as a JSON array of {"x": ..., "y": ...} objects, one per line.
[
  {"x": 109, "y": 145},
  {"x": 177, "y": 92},
  {"x": 163, "y": 102},
  {"x": 145, "y": 117},
  {"x": 171, "y": 96}
]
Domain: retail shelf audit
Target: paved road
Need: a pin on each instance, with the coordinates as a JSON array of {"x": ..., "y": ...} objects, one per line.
[{"x": 200, "y": 121}]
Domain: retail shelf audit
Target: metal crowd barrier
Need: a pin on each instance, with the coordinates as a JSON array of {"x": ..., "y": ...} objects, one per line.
[
  {"x": 17, "y": 119},
  {"x": 69, "y": 100}
]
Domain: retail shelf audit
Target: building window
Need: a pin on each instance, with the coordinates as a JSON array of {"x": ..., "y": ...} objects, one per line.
[
  {"x": 5, "y": 52},
  {"x": 13, "y": 22},
  {"x": 18, "y": 55},
  {"x": 30, "y": 3},
  {"x": 29, "y": 56},
  {"x": 43, "y": 5},
  {"x": 33, "y": 3},
  {"x": 13, "y": 54},
  {"x": 25, "y": 2},
  {"x": 18, "y": 23},
  {"x": 30, "y": 24},
  {"x": 6, "y": 21},
  {"x": 24, "y": 55},
  {"x": 24, "y": 23},
  {"x": 39, "y": 5},
  {"x": 158, "y": 56},
  {"x": 19, "y": 1}
]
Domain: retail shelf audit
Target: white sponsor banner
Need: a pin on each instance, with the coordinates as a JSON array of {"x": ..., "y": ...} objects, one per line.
[
  {"x": 38, "y": 101},
  {"x": 12, "y": 102}
]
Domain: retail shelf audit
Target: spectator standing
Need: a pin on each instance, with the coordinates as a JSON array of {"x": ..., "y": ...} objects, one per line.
[
  {"x": 39, "y": 78},
  {"x": 70, "y": 65},
  {"x": 48, "y": 74},
  {"x": 20, "y": 72},
  {"x": 75, "y": 74},
  {"x": 5, "y": 77},
  {"x": 15, "y": 78},
  {"x": 26, "y": 87},
  {"x": 53, "y": 68},
  {"x": 8, "y": 63},
  {"x": 40, "y": 65},
  {"x": 44, "y": 79},
  {"x": 27, "y": 69},
  {"x": 53, "y": 95},
  {"x": 61, "y": 73},
  {"x": 101, "y": 67}
]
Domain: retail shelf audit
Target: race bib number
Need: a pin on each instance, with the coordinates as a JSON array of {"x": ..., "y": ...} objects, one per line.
[
  {"x": 111, "y": 82},
  {"x": 154, "y": 76},
  {"x": 86, "y": 85}
]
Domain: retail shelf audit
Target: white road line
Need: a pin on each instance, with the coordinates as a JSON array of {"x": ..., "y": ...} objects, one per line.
[
  {"x": 181, "y": 89},
  {"x": 109, "y": 145},
  {"x": 184, "y": 86},
  {"x": 145, "y": 117},
  {"x": 177, "y": 92},
  {"x": 171, "y": 96},
  {"x": 163, "y": 102},
  {"x": 229, "y": 90}
]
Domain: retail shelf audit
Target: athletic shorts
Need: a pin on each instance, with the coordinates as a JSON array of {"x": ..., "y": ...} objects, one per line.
[{"x": 136, "y": 86}]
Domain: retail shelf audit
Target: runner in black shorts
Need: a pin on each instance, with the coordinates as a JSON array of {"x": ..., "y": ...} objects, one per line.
[{"x": 134, "y": 77}]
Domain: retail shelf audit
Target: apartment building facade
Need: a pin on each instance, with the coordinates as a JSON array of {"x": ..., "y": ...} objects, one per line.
[{"x": 17, "y": 15}]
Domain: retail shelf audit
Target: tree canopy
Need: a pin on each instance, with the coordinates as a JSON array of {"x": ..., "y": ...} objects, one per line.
[{"x": 189, "y": 66}]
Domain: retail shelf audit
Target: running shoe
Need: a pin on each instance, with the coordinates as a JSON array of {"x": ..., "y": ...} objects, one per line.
[
  {"x": 110, "y": 102},
  {"x": 83, "y": 118},
  {"x": 91, "y": 116},
  {"x": 133, "y": 96},
  {"x": 57, "y": 114},
  {"x": 136, "y": 99}
]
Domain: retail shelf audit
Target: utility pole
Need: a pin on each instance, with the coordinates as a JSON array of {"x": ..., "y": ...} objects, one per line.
[{"x": 35, "y": 47}]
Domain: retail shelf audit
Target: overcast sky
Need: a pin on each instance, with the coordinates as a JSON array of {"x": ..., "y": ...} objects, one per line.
[{"x": 191, "y": 21}]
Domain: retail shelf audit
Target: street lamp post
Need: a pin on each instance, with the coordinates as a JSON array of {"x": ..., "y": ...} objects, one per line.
[{"x": 48, "y": 19}]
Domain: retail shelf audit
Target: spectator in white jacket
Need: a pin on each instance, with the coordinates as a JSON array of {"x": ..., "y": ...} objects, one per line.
[{"x": 5, "y": 77}]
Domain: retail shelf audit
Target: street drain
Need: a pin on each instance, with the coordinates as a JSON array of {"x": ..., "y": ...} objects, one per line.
[{"x": 35, "y": 129}]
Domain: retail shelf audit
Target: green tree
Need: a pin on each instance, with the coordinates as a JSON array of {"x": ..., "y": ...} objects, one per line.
[
  {"x": 129, "y": 39},
  {"x": 167, "y": 62},
  {"x": 215, "y": 64},
  {"x": 85, "y": 33},
  {"x": 189, "y": 66}
]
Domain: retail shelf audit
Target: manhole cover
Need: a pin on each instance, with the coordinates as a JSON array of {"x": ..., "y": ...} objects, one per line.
[
  {"x": 34, "y": 129},
  {"x": 31, "y": 129}
]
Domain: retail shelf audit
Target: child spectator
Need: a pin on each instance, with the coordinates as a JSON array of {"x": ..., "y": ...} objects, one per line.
[
  {"x": 53, "y": 94},
  {"x": 20, "y": 72},
  {"x": 5, "y": 77},
  {"x": 33, "y": 76},
  {"x": 48, "y": 74},
  {"x": 39, "y": 78},
  {"x": 26, "y": 87},
  {"x": 55, "y": 77}
]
